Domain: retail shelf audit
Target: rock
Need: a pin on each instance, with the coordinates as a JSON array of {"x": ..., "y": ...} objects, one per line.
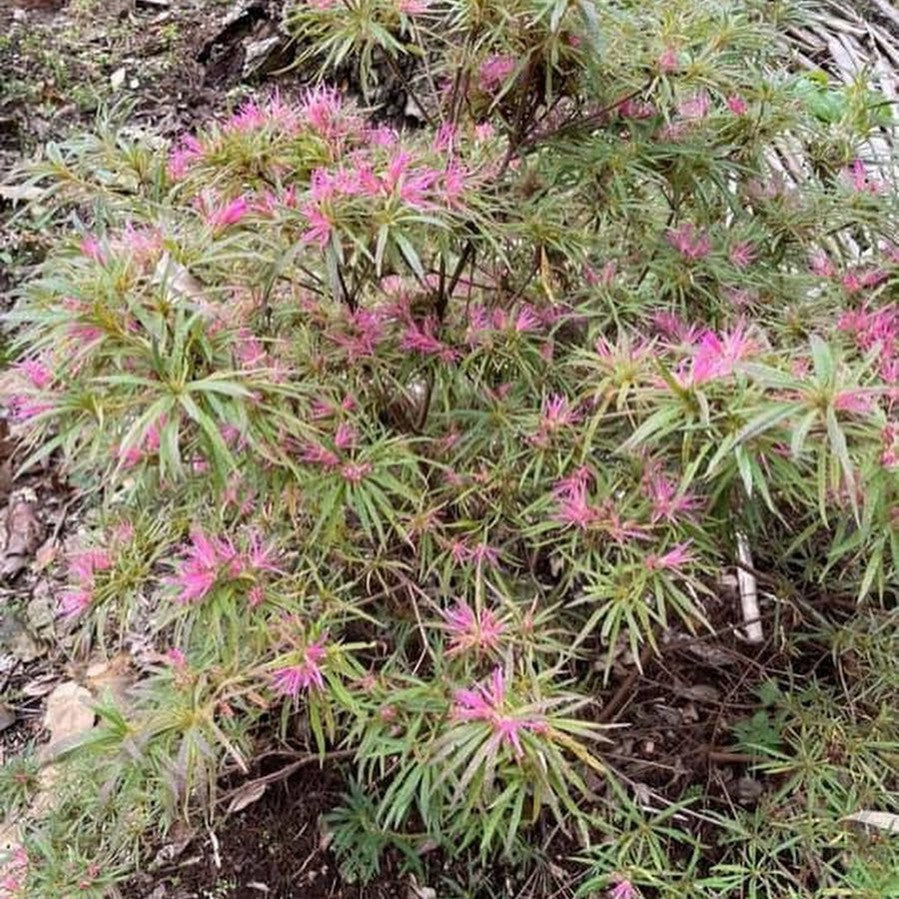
[
  {"x": 117, "y": 78},
  {"x": 15, "y": 639},
  {"x": 266, "y": 55},
  {"x": 41, "y": 609}
]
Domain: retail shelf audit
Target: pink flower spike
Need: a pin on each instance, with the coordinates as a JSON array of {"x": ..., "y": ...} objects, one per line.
[
  {"x": 355, "y": 472},
  {"x": 228, "y": 214},
  {"x": 319, "y": 230},
  {"x": 345, "y": 437},
  {"x": 91, "y": 248},
  {"x": 206, "y": 560},
  {"x": 855, "y": 401},
  {"x": 673, "y": 560},
  {"x": 83, "y": 565},
  {"x": 737, "y": 105},
  {"x": 665, "y": 502},
  {"x": 176, "y": 658},
  {"x": 36, "y": 372}
]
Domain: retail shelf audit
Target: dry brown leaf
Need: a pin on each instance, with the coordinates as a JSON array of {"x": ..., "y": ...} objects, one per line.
[
  {"x": 68, "y": 713},
  {"x": 246, "y": 795},
  {"x": 23, "y": 536},
  {"x": 880, "y": 820}
]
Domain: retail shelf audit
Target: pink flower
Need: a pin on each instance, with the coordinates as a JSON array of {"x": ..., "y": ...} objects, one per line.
[
  {"x": 420, "y": 339},
  {"x": 345, "y": 437},
  {"x": 318, "y": 455},
  {"x": 484, "y": 132},
  {"x": 486, "y": 702},
  {"x": 206, "y": 560},
  {"x": 73, "y": 603},
  {"x": 230, "y": 213},
  {"x": 716, "y": 356},
  {"x": 176, "y": 658},
  {"x": 495, "y": 70},
  {"x": 624, "y": 889},
  {"x": 668, "y": 61},
  {"x": 689, "y": 242},
  {"x": 319, "y": 230},
  {"x": 821, "y": 265},
  {"x": 674, "y": 559},
  {"x": 23, "y": 408},
  {"x": 695, "y": 107},
  {"x": 322, "y": 110},
  {"x": 479, "y": 631},
  {"x": 91, "y": 248},
  {"x": 857, "y": 176},
  {"x": 36, "y": 372},
  {"x": 355, "y": 472},
  {"x": 305, "y": 675},
  {"x": 527, "y": 319},
  {"x": 636, "y": 109},
  {"x": 83, "y": 565},
  {"x": 413, "y": 7},
  {"x": 557, "y": 414},
  {"x": 737, "y": 105},
  {"x": 666, "y": 502},
  {"x": 574, "y": 507},
  {"x": 857, "y": 402},
  {"x": 742, "y": 254},
  {"x": 185, "y": 154}
]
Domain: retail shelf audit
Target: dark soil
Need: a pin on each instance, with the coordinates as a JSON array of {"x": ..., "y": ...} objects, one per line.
[{"x": 275, "y": 848}]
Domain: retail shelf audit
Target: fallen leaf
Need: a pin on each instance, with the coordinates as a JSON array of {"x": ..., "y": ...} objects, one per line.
[
  {"x": 245, "y": 796},
  {"x": 880, "y": 820},
  {"x": 68, "y": 714},
  {"x": 23, "y": 536},
  {"x": 117, "y": 78},
  {"x": 40, "y": 686}
]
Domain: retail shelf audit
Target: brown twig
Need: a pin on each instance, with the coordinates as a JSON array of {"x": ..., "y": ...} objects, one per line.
[{"x": 287, "y": 770}]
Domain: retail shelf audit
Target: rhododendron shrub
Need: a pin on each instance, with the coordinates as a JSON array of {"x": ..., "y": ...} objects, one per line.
[{"x": 433, "y": 420}]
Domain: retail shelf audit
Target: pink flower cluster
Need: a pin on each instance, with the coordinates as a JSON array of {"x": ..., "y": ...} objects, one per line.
[
  {"x": 304, "y": 675},
  {"x": 877, "y": 330},
  {"x": 667, "y": 503},
  {"x": 31, "y": 399},
  {"x": 208, "y": 560},
  {"x": 860, "y": 181},
  {"x": 576, "y": 510},
  {"x": 148, "y": 445},
  {"x": 715, "y": 356},
  {"x": 472, "y": 630},
  {"x": 495, "y": 70},
  {"x": 691, "y": 243},
  {"x": 83, "y": 567},
  {"x": 345, "y": 440},
  {"x": 557, "y": 415},
  {"x": 487, "y": 703}
]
